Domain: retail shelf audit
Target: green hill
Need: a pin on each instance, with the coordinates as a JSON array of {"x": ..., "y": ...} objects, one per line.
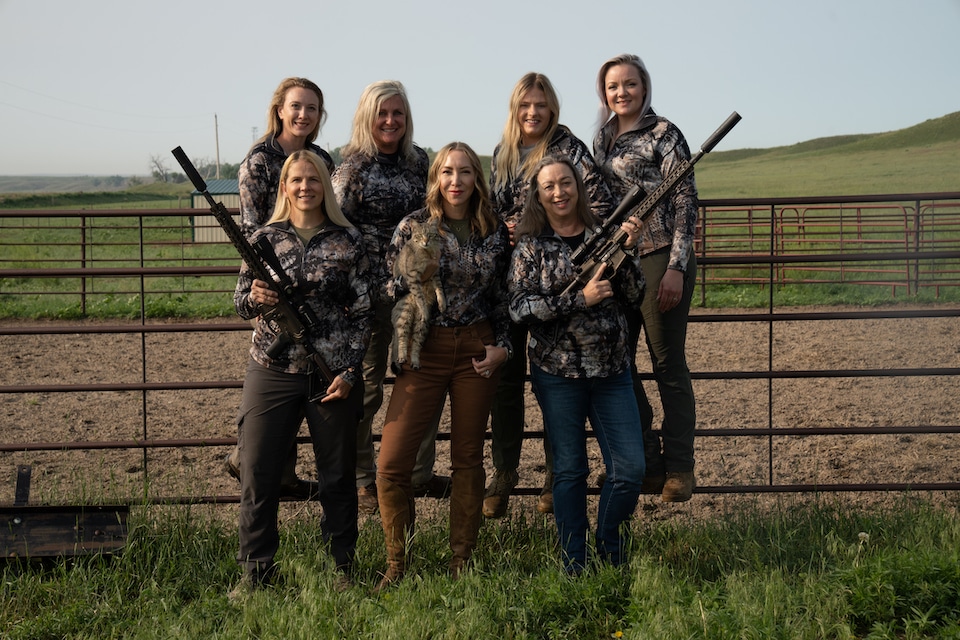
[{"x": 918, "y": 159}]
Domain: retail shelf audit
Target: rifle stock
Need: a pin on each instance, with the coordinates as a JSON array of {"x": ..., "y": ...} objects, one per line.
[
  {"x": 292, "y": 318},
  {"x": 604, "y": 249}
]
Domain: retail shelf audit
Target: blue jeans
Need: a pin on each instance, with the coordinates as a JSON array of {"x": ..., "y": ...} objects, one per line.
[{"x": 610, "y": 405}]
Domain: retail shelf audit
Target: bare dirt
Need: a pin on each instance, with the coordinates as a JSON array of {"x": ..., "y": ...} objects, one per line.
[{"x": 119, "y": 474}]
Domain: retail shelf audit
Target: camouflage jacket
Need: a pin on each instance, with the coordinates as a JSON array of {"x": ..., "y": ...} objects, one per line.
[
  {"x": 473, "y": 277},
  {"x": 259, "y": 177},
  {"x": 508, "y": 199},
  {"x": 644, "y": 157},
  {"x": 567, "y": 338},
  {"x": 332, "y": 273},
  {"x": 375, "y": 193}
]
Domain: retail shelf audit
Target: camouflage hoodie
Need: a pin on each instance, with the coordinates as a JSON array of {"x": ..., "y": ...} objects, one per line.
[
  {"x": 473, "y": 277},
  {"x": 644, "y": 157},
  {"x": 567, "y": 338},
  {"x": 508, "y": 199},
  {"x": 259, "y": 177},
  {"x": 375, "y": 193},
  {"x": 332, "y": 274}
]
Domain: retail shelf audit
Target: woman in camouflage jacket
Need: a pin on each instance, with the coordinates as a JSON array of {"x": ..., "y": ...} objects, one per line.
[
  {"x": 294, "y": 118},
  {"x": 531, "y": 132},
  {"x": 579, "y": 361},
  {"x": 382, "y": 178},
  {"x": 324, "y": 257},
  {"x": 467, "y": 343},
  {"x": 635, "y": 146}
]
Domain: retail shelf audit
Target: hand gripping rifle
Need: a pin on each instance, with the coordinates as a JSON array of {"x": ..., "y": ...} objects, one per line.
[
  {"x": 604, "y": 249},
  {"x": 291, "y": 318}
]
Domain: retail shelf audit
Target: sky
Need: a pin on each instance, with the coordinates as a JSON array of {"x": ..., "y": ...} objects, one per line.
[{"x": 100, "y": 87}]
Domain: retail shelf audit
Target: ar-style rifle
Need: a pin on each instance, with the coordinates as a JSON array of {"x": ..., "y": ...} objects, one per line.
[
  {"x": 604, "y": 248},
  {"x": 291, "y": 318}
]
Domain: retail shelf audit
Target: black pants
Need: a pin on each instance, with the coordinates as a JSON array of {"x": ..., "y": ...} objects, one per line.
[{"x": 270, "y": 415}]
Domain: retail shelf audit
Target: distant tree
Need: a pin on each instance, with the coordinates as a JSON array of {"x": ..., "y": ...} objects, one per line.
[
  {"x": 336, "y": 155},
  {"x": 229, "y": 171},
  {"x": 134, "y": 181},
  {"x": 158, "y": 169}
]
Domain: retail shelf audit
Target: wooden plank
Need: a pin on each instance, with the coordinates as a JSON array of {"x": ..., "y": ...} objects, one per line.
[{"x": 43, "y": 531}]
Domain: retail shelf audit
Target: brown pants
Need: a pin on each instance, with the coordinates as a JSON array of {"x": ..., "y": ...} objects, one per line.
[{"x": 445, "y": 368}]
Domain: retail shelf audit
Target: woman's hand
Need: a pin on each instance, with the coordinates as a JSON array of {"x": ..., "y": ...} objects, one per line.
[
  {"x": 338, "y": 390},
  {"x": 671, "y": 290},
  {"x": 493, "y": 358},
  {"x": 262, "y": 294},
  {"x": 632, "y": 229},
  {"x": 597, "y": 290}
]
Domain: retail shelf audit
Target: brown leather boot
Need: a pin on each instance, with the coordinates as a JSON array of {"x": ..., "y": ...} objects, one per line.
[
  {"x": 466, "y": 514},
  {"x": 396, "y": 515}
]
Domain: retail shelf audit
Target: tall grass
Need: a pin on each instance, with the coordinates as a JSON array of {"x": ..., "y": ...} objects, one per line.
[{"x": 794, "y": 570}]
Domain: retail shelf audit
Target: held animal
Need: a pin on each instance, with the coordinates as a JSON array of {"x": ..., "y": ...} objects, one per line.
[{"x": 417, "y": 264}]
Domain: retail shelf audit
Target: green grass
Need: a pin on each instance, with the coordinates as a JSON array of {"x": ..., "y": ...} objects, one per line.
[{"x": 798, "y": 569}]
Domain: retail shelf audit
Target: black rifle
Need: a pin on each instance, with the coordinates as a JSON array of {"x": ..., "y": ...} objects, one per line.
[
  {"x": 291, "y": 318},
  {"x": 604, "y": 249}
]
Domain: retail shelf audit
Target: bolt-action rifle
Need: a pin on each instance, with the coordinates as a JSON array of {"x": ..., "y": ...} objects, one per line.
[
  {"x": 291, "y": 318},
  {"x": 604, "y": 248}
]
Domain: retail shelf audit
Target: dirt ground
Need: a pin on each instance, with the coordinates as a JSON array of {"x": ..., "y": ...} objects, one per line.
[{"x": 75, "y": 476}]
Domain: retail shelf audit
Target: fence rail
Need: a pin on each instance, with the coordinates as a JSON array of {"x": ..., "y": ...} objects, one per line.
[{"x": 907, "y": 242}]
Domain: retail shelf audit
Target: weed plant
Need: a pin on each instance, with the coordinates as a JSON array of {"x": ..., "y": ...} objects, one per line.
[{"x": 793, "y": 570}]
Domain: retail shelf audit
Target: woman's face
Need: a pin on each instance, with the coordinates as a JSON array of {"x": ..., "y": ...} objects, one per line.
[
  {"x": 625, "y": 91},
  {"x": 533, "y": 115},
  {"x": 303, "y": 187},
  {"x": 390, "y": 125},
  {"x": 557, "y": 191},
  {"x": 300, "y": 112},
  {"x": 457, "y": 179}
]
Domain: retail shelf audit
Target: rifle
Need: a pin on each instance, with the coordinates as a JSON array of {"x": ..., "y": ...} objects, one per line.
[
  {"x": 291, "y": 318},
  {"x": 604, "y": 249}
]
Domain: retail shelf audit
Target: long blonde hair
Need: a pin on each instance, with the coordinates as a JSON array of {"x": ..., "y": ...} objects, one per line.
[
  {"x": 281, "y": 211},
  {"x": 361, "y": 136},
  {"x": 508, "y": 158},
  {"x": 275, "y": 124},
  {"x": 482, "y": 219}
]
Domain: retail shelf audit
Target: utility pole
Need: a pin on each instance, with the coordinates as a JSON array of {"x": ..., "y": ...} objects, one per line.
[{"x": 216, "y": 133}]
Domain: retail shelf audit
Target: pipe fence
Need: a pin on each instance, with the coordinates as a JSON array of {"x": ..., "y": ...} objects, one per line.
[{"x": 907, "y": 243}]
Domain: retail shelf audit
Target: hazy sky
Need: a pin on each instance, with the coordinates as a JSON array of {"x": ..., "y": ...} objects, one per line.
[{"x": 97, "y": 87}]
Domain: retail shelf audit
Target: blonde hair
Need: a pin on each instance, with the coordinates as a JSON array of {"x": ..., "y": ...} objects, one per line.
[
  {"x": 482, "y": 219},
  {"x": 534, "y": 219},
  {"x": 368, "y": 108},
  {"x": 508, "y": 158},
  {"x": 604, "y": 113},
  {"x": 275, "y": 124},
  {"x": 281, "y": 211}
]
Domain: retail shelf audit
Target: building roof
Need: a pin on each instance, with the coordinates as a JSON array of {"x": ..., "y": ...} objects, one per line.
[{"x": 222, "y": 187}]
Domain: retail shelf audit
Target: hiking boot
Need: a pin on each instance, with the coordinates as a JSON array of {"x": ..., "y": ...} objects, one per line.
[
  {"x": 545, "y": 501},
  {"x": 300, "y": 490},
  {"x": 435, "y": 487},
  {"x": 678, "y": 486},
  {"x": 231, "y": 465},
  {"x": 367, "y": 503},
  {"x": 497, "y": 496}
]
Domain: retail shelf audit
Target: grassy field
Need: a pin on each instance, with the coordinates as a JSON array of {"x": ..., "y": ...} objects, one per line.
[{"x": 791, "y": 571}]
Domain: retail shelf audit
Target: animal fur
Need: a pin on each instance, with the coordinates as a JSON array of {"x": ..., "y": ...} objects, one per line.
[{"x": 417, "y": 263}]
